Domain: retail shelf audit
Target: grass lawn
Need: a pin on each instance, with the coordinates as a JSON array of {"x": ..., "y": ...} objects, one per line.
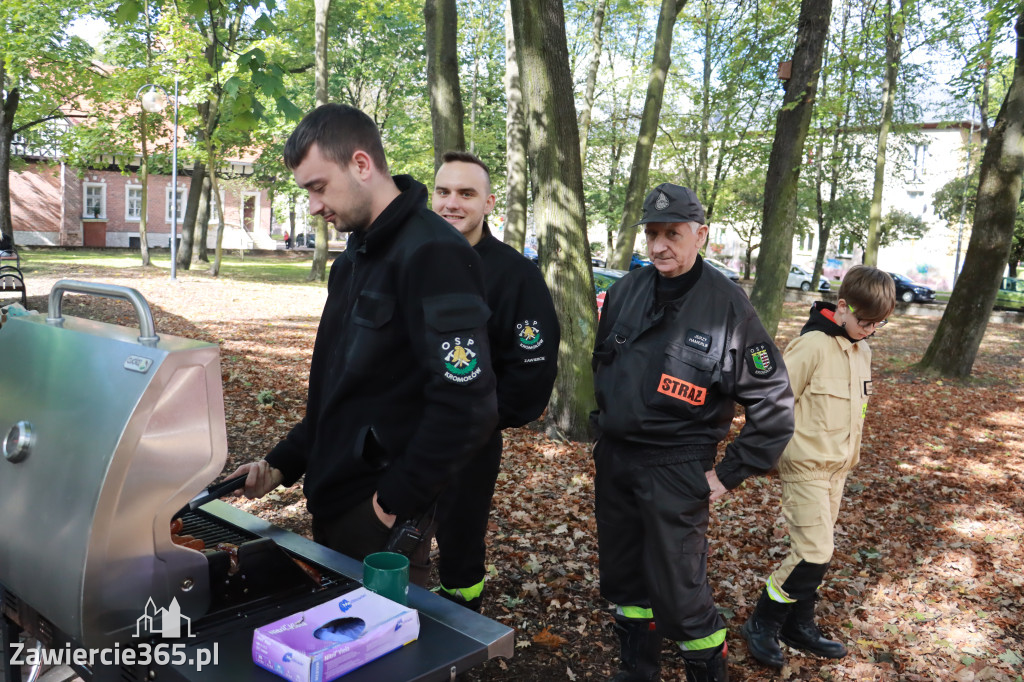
[{"x": 286, "y": 267}]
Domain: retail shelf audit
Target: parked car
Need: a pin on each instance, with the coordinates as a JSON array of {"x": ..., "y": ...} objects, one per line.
[
  {"x": 1011, "y": 294},
  {"x": 597, "y": 262},
  {"x": 638, "y": 262},
  {"x": 801, "y": 279},
  {"x": 723, "y": 268},
  {"x": 908, "y": 291},
  {"x": 603, "y": 279},
  {"x": 531, "y": 253},
  {"x": 308, "y": 240}
]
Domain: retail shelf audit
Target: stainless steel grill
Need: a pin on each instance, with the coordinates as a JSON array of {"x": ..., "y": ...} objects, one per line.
[{"x": 106, "y": 433}]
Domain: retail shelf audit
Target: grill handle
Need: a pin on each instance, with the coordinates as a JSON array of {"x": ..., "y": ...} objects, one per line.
[{"x": 147, "y": 330}]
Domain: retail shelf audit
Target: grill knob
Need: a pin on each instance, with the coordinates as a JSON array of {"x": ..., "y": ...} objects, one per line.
[{"x": 19, "y": 441}]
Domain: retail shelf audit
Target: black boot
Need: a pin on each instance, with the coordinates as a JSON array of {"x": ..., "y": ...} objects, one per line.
[
  {"x": 801, "y": 632},
  {"x": 712, "y": 669},
  {"x": 762, "y": 630},
  {"x": 641, "y": 650}
]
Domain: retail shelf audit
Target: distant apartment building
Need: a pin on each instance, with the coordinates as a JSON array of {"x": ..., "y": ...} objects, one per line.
[{"x": 920, "y": 163}]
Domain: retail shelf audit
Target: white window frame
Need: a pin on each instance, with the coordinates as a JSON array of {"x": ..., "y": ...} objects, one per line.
[
  {"x": 183, "y": 194},
  {"x": 128, "y": 217},
  {"x": 102, "y": 187}
]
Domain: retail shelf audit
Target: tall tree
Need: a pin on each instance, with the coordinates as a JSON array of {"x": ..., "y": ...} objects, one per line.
[
  {"x": 322, "y": 12},
  {"x": 446, "y": 113},
  {"x": 955, "y": 345},
  {"x": 895, "y": 25},
  {"x": 784, "y": 162},
  {"x": 559, "y": 207},
  {"x": 595, "y": 62},
  {"x": 43, "y": 73},
  {"x": 640, "y": 169},
  {"x": 515, "y": 143}
]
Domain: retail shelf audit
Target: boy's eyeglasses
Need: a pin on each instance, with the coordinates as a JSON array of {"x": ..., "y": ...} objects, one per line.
[{"x": 866, "y": 325}]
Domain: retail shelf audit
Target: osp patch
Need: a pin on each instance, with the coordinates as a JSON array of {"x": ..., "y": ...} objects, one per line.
[
  {"x": 760, "y": 362},
  {"x": 529, "y": 335},
  {"x": 460, "y": 360}
]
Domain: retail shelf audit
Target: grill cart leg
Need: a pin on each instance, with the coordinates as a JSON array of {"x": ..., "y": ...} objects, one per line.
[{"x": 9, "y": 632}]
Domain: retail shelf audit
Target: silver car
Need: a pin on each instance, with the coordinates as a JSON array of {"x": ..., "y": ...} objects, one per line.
[{"x": 801, "y": 279}]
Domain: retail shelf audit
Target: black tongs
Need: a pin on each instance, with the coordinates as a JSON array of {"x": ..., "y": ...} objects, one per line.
[{"x": 212, "y": 493}]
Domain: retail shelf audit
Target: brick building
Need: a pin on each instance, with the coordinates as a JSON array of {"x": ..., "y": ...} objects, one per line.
[{"x": 52, "y": 204}]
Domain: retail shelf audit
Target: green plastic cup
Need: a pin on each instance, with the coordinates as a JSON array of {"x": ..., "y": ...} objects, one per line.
[{"x": 387, "y": 574}]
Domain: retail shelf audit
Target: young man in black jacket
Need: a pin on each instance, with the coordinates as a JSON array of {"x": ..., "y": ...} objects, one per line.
[
  {"x": 524, "y": 335},
  {"x": 401, "y": 388}
]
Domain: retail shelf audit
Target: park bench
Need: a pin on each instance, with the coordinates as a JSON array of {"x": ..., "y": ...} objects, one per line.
[{"x": 12, "y": 280}]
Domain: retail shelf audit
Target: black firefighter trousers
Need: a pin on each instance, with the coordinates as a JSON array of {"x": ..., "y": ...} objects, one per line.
[
  {"x": 463, "y": 511},
  {"x": 652, "y": 521}
]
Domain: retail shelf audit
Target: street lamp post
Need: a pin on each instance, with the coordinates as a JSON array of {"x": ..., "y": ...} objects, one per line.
[{"x": 151, "y": 102}]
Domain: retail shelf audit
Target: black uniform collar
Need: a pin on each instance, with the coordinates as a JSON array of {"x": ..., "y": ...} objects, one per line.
[
  {"x": 382, "y": 231},
  {"x": 486, "y": 239},
  {"x": 817, "y": 321}
]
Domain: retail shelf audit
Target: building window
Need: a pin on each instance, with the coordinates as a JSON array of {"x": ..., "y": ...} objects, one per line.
[
  {"x": 213, "y": 208},
  {"x": 918, "y": 205},
  {"x": 805, "y": 242},
  {"x": 845, "y": 245},
  {"x": 95, "y": 204},
  {"x": 168, "y": 205},
  {"x": 133, "y": 202},
  {"x": 920, "y": 160}
]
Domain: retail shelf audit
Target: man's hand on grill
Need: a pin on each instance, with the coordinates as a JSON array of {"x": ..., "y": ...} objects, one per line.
[{"x": 260, "y": 479}]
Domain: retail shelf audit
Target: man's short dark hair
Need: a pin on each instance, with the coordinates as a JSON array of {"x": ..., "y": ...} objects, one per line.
[
  {"x": 467, "y": 157},
  {"x": 339, "y": 130}
]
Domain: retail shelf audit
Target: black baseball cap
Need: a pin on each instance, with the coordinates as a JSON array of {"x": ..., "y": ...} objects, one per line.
[{"x": 668, "y": 203}]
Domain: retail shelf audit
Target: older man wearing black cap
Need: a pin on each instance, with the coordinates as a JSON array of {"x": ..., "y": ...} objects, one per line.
[{"x": 677, "y": 347}]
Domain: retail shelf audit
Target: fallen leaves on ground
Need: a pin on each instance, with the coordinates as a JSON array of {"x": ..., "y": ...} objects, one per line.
[{"x": 926, "y": 581}]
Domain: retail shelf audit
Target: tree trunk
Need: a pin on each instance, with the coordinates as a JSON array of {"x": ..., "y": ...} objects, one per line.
[
  {"x": 515, "y": 144},
  {"x": 784, "y": 163},
  {"x": 318, "y": 267},
  {"x": 144, "y": 199},
  {"x": 192, "y": 206},
  {"x": 595, "y": 62},
  {"x": 955, "y": 344},
  {"x": 640, "y": 169},
  {"x": 559, "y": 208},
  {"x": 893, "y": 48},
  {"x": 618, "y": 145},
  {"x": 219, "y": 249},
  {"x": 8, "y": 107},
  {"x": 203, "y": 215},
  {"x": 446, "y": 112}
]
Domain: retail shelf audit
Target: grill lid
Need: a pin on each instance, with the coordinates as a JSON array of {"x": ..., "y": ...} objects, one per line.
[{"x": 106, "y": 434}]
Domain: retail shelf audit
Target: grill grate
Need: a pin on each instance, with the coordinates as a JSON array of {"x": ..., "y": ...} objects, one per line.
[{"x": 203, "y": 527}]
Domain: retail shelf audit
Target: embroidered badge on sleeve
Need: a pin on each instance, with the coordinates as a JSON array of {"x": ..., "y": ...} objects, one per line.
[
  {"x": 529, "y": 335},
  {"x": 460, "y": 361},
  {"x": 760, "y": 362}
]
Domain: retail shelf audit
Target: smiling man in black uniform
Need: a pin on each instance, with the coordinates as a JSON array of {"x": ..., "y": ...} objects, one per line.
[
  {"x": 401, "y": 389},
  {"x": 524, "y": 336},
  {"x": 678, "y": 345}
]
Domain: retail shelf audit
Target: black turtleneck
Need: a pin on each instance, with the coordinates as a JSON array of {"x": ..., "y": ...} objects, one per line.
[{"x": 670, "y": 289}]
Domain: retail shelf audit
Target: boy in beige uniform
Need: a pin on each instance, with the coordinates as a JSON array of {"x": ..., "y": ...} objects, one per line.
[{"x": 830, "y": 372}]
